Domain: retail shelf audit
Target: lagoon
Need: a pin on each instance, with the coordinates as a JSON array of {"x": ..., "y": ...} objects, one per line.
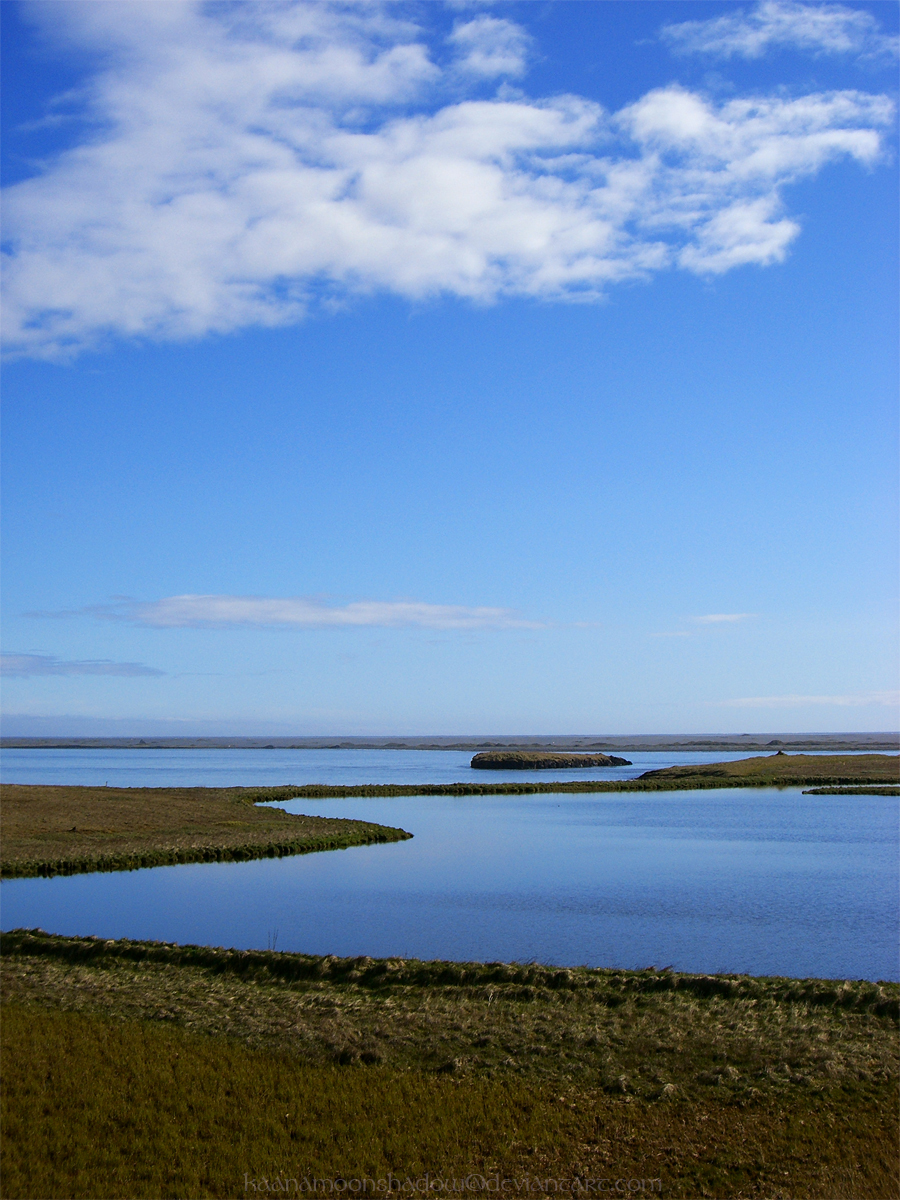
[{"x": 763, "y": 881}]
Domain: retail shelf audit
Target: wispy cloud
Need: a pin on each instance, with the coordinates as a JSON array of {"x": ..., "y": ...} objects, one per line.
[
  {"x": 722, "y": 618},
  {"x": 776, "y": 24},
  {"x": 299, "y": 612},
  {"x": 23, "y": 665},
  {"x": 888, "y": 699},
  {"x": 244, "y": 162},
  {"x": 706, "y": 619},
  {"x": 490, "y": 46}
]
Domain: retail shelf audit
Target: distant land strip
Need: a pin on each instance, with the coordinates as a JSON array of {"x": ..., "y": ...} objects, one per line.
[{"x": 729, "y": 743}]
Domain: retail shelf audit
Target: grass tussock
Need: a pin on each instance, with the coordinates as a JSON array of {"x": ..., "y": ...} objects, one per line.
[
  {"x": 94, "y": 1107},
  {"x": 70, "y": 830}
]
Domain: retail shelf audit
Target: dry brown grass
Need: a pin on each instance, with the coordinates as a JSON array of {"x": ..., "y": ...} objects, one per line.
[
  {"x": 789, "y": 769},
  {"x": 628, "y": 1033}
]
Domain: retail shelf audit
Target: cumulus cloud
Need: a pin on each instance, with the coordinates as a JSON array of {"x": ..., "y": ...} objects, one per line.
[
  {"x": 299, "y": 612},
  {"x": 775, "y": 24},
  {"x": 23, "y": 665},
  {"x": 855, "y": 700},
  {"x": 247, "y": 161}
]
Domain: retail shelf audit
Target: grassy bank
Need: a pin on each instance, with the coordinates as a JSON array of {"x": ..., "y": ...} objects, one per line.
[
  {"x": 869, "y": 789},
  {"x": 773, "y": 770},
  {"x": 69, "y": 830},
  {"x": 784, "y": 769},
  {"x": 142, "y": 1069}
]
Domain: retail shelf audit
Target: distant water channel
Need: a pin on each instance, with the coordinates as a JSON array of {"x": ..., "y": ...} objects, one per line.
[{"x": 766, "y": 881}]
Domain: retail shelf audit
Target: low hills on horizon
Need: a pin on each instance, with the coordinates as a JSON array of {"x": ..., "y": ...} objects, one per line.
[{"x": 726, "y": 743}]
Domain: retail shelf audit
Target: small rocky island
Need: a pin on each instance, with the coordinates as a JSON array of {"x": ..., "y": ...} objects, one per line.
[{"x": 538, "y": 760}]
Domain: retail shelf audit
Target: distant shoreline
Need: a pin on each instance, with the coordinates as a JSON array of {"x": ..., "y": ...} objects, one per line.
[{"x": 726, "y": 743}]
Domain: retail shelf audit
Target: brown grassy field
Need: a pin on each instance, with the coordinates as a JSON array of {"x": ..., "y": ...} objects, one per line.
[
  {"x": 786, "y": 769},
  {"x": 64, "y": 830},
  {"x": 139, "y": 1069}
]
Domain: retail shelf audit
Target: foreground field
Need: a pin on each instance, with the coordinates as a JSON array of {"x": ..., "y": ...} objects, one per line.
[
  {"x": 67, "y": 830},
  {"x": 139, "y": 1069}
]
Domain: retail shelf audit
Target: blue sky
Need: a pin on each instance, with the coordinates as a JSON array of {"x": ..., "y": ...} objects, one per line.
[{"x": 466, "y": 368}]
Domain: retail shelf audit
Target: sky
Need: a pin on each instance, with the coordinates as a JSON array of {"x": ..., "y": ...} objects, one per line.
[{"x": 465, "y": 368}]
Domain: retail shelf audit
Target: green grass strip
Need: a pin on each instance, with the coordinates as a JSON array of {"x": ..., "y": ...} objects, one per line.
[
  {"x": 871, "y": 789},
  {"x": 364, "y": 835},
  {"x": 880, "y": 999},
  {"x": 325, "y": 791}
]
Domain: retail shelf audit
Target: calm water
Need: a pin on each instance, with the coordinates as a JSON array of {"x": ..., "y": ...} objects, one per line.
[
  {"x": 768, "y": 882},
  {"x": 270, "y": 768}
]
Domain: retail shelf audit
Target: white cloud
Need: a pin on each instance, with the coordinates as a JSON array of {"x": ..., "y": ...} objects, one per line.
[
  {"x": 247, "y": 161},
  {"x": 773, "y": 24},
  {"x": 722, "y": 618},
  {"x": 299, "y": 612},
  {"x": 490, "y": 46},
  {"x": 856, "y": 700},
  {"x": 23, "y": 665}
]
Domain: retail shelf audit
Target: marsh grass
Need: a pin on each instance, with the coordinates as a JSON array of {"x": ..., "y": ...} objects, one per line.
[
  {"x": 626, "y": 1032},
  {"x": 869, "y": 789},
  {"x": 71, "y": 830},
  {"x": 783, "y": 769},
  {"x": 146, "y": 1069},
  {"x": 94, "y": 1107}
]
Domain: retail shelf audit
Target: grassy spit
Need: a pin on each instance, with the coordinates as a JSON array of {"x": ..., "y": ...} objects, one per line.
[
  {"x": 774, "y": 770},
  {"x": 144, "y": 1069},
  {"x": 869, "y": 789},
  {"x": 69, "y": 830}
]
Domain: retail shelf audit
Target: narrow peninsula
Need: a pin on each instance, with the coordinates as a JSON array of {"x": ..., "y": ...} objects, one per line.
[{"x": 56, "y": 830}]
